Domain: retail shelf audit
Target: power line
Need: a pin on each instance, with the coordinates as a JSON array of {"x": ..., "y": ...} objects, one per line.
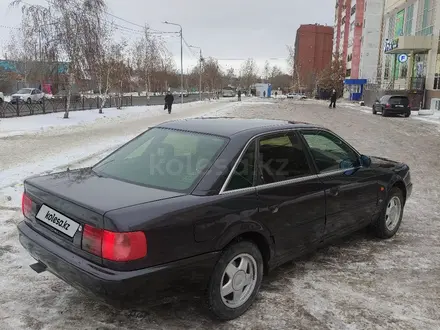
[{"x": 10, "y": 27}]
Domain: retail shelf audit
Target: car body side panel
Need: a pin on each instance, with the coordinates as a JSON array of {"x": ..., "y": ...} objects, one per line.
[
  {"x": 294, "y": 214},
  {"x": 351, "y": 200}
]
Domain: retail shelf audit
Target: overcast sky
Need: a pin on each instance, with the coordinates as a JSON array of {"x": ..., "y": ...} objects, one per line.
[{"x": 228, "y": 30}]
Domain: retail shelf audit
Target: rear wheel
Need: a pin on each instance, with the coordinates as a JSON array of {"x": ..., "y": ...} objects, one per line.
[
  {"x": 384, "y": 113},
  {"x": 29, "y": 101},
  {"x": 388, "y": 223},
  {"x": 374, "y": 110},
  {"x": 235, "y": 281},
  {"x": 407, "y": 114}
]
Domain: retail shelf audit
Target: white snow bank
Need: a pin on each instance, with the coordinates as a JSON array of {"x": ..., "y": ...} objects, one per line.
[{"x": 39, "y": 123}]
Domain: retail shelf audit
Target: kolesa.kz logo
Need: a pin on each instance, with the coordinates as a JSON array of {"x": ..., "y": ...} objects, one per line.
[{"x": 54, "y": 219}]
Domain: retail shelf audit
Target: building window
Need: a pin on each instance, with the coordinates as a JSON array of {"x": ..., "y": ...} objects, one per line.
[
  {"x": 425, "y": 17},
  {"x": 404, "y": 70},
  {"x": 409, "y": 20},
  {"x": 351, "y": 26},
  {"x": 349, "y": 57},
  {"x": 437, "y": 72},
  {"x": 353, "y": 10},
  {"x": 348, "y": 73}
]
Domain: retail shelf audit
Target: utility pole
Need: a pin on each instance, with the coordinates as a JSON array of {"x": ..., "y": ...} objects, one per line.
[
  {"x": 181, "y": 57},
  {"x": 201, "y": 60}
]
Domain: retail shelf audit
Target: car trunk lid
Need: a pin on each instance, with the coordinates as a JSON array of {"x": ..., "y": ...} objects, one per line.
[{"x": 63, "y": 203}]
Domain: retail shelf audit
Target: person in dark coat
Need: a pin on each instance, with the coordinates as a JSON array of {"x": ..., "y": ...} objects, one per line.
[
  {"x": 239, "y": 95},
  {"x": 333, "y": 99},
  {"x": 169, "y": 99}
]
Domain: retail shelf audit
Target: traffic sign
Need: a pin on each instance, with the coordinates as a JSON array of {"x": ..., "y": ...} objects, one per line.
[{"x": 403, "y": 58}]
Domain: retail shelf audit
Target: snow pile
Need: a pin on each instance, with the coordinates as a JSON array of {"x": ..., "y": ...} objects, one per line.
[{"x": 40, "y": 123}]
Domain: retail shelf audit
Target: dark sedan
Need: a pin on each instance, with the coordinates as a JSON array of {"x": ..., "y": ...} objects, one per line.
[
  {"x": 211, "y": 202},
  {"x": 392, "y": 105}
]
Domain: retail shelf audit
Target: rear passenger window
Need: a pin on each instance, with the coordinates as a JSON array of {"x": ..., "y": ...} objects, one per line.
[
  {"x": 244, "y": 174},
  {"x": 282, "y": 158}
]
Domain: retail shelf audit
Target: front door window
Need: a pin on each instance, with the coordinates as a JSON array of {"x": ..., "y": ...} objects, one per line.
[{"x": 329, "y": 152}]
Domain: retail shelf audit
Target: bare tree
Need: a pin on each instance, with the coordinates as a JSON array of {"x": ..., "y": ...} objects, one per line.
[
  {"x": 151, "y": 60},
  {"x": 212, "y": 75},
  {"x": 333, "y": 76},
  {"x": 248, "y": 73},
  {"x": 73, "y": 25}
]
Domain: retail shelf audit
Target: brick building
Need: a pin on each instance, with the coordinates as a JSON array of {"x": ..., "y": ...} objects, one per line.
[{"x": 313, "y": 53}]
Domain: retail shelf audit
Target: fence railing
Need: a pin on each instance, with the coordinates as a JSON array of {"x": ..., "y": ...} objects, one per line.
[{"x": 19, "y": 109}]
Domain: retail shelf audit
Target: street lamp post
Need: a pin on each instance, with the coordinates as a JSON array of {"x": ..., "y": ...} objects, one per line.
[
  {"x": 201, "y": 59},
  {"x": 181, "y": 57}
]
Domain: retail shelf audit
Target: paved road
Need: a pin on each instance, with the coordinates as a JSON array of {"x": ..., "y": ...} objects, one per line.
[{"x": 357, "y": 283}]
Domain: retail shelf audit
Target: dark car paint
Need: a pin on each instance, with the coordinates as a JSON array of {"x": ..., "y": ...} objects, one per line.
[
  {"x": 180, "y": 227},
  {"x": 379, "y": 106}
]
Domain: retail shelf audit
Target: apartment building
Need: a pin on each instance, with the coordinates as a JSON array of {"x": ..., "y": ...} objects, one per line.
[
  {"x": 357, "y": 36},
  {"x": 410, "y": 54},
  {"x": 313, "y": 53}
]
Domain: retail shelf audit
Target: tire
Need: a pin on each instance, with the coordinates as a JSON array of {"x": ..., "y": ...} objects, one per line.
[
  {"x": 384, "y": 226},
  {"x": 237, "y": 254},
  {"x": 1, "y": 101},
  {"x": 29, "y": 101},
  {"x": 374, "y": 111},
  {"x": 407, "y": 114},
  {"x": 384, "y": 113}
]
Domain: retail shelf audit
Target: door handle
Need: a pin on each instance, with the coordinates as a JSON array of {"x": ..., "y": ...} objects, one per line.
[
  {"x": 334, "y": 192},
  {"x": 273, "y": 209}
]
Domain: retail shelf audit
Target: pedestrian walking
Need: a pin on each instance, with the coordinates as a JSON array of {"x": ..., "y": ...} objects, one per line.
[
  {"x": 333, "y": 99},
  {"x": 239, "y": 95},
  {"x": 169, "y": 99}
]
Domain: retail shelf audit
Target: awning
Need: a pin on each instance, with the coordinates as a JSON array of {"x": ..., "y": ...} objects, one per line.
[{"x": 409, "y": 44}]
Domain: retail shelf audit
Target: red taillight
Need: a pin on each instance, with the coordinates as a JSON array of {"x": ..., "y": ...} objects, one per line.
[
  {"x": 26, "y": 205},
  {"x": 92, "y": 240},
  {"x": 114, "y": 246},
  {"x": 388, "y": 106}
]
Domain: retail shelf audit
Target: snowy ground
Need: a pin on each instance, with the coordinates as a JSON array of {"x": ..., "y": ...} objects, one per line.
[
  {"x": 358, "y": 283},
  {"x": 424, "y": 115}
]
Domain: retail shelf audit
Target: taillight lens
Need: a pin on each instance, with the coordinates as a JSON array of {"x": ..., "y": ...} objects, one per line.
[
  {"x": 26, "y": 205},
  {"x": 388, "y": 106},
  {"x": 114, "y": 246}
]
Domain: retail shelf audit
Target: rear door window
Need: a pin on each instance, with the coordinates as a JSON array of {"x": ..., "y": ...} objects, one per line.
[
  {"x": 282, "y": 157},
  {"x": 399, "y": 100},
  {"x": 244, "y": 174}
]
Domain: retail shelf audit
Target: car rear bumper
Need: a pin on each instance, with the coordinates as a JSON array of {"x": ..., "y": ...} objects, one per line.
[
  {"x": 398, "y": 110},
  {"x": 188, "y": 274}
]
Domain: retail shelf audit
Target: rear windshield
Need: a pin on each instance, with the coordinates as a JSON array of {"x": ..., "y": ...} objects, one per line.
[
  {"x": 399, "y": 100},
  {"x": 163, "y": 158}
]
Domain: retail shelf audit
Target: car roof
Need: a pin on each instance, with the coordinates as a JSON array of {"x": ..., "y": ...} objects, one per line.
[
  {"x": 229, "y": 126},
  {"x": 389, "y": 95}
]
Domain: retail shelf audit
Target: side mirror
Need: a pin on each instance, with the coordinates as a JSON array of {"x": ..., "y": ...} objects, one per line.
[{"x": 365, "y": 161}]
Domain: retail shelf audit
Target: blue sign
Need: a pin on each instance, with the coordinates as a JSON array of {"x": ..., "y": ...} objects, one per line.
[{"x": 402, "y": 58}]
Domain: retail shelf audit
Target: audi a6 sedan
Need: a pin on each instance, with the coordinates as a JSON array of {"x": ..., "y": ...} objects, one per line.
[{"x": 210, "y": 202}]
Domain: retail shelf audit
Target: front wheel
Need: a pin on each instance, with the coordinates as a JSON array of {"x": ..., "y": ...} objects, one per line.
[
  {"x": 235, "y": 281},
  {"x": 29, "y": 101},
  {"x": 388, "y": 223}
]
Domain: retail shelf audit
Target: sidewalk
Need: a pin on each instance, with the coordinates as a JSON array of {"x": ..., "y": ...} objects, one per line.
[
  {"x": 54, "y": 121},
  {"x": 431, "y": 118}
]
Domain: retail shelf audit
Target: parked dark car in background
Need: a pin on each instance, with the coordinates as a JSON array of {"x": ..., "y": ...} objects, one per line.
[
  {"x": 392, "y": 105},
  {"x": 211, "y": 202}
]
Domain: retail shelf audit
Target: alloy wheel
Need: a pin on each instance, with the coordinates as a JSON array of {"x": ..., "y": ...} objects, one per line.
[{"x": 238, "y": 280}]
